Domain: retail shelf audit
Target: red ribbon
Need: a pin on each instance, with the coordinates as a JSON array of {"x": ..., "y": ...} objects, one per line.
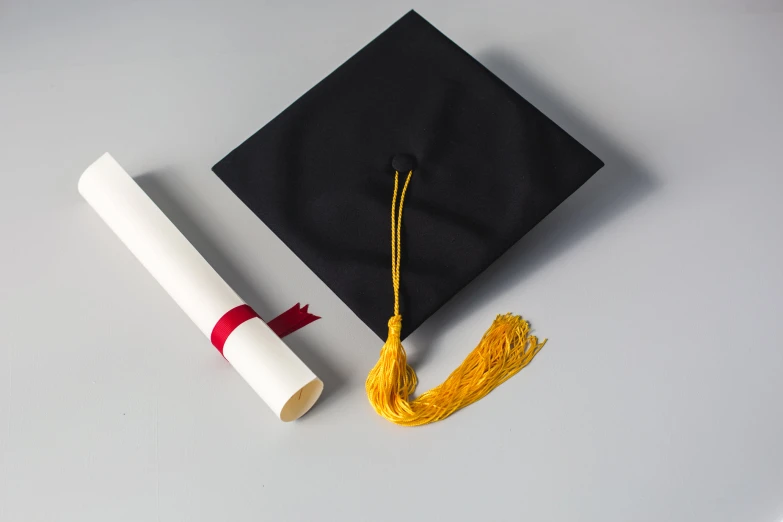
[
  {"x": 292, "y": 320},
  {"x": 284, "y": 324}
]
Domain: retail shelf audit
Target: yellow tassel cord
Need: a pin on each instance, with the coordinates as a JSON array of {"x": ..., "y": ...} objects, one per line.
[{"x": 505, "y": 349}]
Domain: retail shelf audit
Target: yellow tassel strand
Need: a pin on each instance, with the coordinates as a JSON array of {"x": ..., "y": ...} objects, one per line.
[{"x": 505, "y": 349}]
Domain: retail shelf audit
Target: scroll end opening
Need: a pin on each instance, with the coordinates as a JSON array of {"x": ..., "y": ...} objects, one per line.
[{"x": 301, "y": 401}]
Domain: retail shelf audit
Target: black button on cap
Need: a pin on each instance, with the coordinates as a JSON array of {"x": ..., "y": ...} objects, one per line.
[{"x": 403, "y": 163}]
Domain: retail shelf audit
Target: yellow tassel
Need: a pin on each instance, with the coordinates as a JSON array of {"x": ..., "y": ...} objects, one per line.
[{"x": 505, "y": 349}]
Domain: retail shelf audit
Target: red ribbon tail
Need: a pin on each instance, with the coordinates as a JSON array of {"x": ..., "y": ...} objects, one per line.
[{"x": 292, "y": 320}]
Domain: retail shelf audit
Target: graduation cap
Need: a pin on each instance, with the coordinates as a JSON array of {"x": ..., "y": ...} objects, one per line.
[{"x": 410, "y": 120}]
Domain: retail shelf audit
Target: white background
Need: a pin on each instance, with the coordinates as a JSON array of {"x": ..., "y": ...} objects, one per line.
[{"x": 659, "y": 283}]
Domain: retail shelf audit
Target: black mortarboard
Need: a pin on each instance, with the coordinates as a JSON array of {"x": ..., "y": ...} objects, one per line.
[{"x": 488, "y": 166}]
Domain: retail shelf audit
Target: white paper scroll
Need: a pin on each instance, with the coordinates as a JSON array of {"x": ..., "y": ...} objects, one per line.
[{"x": 278, "y": 376}]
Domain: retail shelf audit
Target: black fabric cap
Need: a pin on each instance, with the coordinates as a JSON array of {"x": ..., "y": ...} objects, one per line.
[{"x": 488, "y": 167}]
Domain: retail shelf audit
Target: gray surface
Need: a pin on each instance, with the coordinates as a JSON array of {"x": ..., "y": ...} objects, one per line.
[{"x": 659, "y": 283}]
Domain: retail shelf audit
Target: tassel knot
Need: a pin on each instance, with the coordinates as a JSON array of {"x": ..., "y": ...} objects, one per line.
[{"x": 395, "y": 326}]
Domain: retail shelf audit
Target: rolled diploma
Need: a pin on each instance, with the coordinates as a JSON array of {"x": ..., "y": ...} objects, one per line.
[{"x": 276, "y": 374}]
